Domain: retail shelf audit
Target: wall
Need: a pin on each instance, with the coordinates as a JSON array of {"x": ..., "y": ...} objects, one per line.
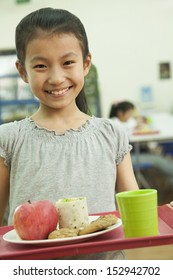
[{"x": 128, "y": 38}]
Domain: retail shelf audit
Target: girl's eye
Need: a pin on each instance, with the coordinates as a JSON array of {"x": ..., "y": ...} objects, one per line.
[
  {"x": 40, "y": 66},
  {"x": 69, "y": 62}
]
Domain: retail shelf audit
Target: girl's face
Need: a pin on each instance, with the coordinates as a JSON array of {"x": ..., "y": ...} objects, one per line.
[{"x": 55, "y": 70}]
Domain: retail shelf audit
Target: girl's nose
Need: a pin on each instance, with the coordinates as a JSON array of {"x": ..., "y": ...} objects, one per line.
[{"x": 56, "y": 76}]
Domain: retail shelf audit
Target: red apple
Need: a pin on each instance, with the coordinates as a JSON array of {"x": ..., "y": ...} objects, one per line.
[{"x": 34, "y": 221}]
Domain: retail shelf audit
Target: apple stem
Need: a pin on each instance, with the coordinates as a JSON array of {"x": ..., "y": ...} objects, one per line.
[{"x": 29, "y": 201}]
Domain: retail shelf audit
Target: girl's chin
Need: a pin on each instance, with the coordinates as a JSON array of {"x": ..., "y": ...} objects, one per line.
[{"x": 56, "y": 105}]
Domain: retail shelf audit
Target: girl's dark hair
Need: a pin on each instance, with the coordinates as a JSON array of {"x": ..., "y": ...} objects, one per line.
[
  {"x": 52, "y": 21},
  {"x": 123, "y": 106}
]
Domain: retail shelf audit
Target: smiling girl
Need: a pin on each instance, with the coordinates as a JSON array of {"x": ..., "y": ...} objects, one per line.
[{"x": 60, "y": 151}]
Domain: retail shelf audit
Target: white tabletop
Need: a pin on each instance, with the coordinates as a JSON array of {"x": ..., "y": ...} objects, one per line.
[{"x": 162, "y": 126}]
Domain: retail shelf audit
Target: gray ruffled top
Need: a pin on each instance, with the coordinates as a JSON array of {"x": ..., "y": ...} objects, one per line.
[{"x": 47, "y": 165}]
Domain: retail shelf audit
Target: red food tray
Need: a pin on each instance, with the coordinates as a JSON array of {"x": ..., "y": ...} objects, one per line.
[{"x": 113, "y": 240}]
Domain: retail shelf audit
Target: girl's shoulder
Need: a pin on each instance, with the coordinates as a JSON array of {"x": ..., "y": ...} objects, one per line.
[
  {"x": 12, "y": 127},
  {"x": 107, "y": 122},
  {"x": 109, "y": 125},
  {"x": 9, "y": 135},
  {"x": 10, "y": 131}
]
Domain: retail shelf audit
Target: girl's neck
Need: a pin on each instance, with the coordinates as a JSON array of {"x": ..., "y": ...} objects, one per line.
[{"x": 60, "y": 121}]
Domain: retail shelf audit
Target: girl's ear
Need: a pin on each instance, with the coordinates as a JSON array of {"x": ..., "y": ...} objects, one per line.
[
  {"x": 87, "y": 64},
  {"x": 21, "y": 71}
]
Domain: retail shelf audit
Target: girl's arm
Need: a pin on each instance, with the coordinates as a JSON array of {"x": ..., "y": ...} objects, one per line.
[
  {"x": 4, "y": 188},
  {"x": 126, "y": 180}
]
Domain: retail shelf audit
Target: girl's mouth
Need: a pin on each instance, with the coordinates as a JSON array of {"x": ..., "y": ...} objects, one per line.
[{"x": 58, "y": 92}]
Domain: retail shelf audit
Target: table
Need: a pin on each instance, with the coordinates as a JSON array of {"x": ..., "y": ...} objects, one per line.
[
  {"x": 161, "y": 129},
  {"x": 110, "y": 241}
]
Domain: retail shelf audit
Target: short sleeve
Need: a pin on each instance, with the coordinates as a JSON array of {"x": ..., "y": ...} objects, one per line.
[
  {"x": 121, "y": 141},
  {"x": 7, "y": 140}
]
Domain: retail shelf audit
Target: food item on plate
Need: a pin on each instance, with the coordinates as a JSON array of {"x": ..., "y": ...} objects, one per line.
[
  {"x": 63, "y": 233},
  {"x": 34, "y": 221},
  {"x": 99, "y": 224},
  {"x": 72, "y": 212}
]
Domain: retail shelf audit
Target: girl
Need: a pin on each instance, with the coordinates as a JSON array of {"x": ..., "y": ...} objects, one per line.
[
  {"x": 123, "y": 113},
  {"x": 60, "y": 151}
]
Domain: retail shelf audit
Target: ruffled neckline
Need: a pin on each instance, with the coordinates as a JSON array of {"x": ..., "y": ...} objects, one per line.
[{"x": 82, "y": 128}]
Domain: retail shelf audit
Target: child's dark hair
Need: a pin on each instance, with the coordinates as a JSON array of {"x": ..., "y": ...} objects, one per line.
[
  {"x": 52, "y": 21},
  {"x": 123, "y": 106}
]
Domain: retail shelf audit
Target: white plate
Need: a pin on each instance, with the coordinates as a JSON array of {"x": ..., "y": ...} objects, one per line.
[{"x": 12, "y": 237}]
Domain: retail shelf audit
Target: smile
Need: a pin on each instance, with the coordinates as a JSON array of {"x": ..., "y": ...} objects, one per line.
[{"x": 58, "y": 92}]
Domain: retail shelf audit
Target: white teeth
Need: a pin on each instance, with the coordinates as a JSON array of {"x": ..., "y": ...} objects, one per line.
[{"x": 60, "y": 92}]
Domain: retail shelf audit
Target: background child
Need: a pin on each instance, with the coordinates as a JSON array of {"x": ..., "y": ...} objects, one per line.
[
  {"x": 123, "y": 113},
  {"x": 60, "y": 151},
  {"x": 122, "y": 110}
]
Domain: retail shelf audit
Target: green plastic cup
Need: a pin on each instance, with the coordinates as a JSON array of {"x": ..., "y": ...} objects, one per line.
[{"x": 138, "y": 212}]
